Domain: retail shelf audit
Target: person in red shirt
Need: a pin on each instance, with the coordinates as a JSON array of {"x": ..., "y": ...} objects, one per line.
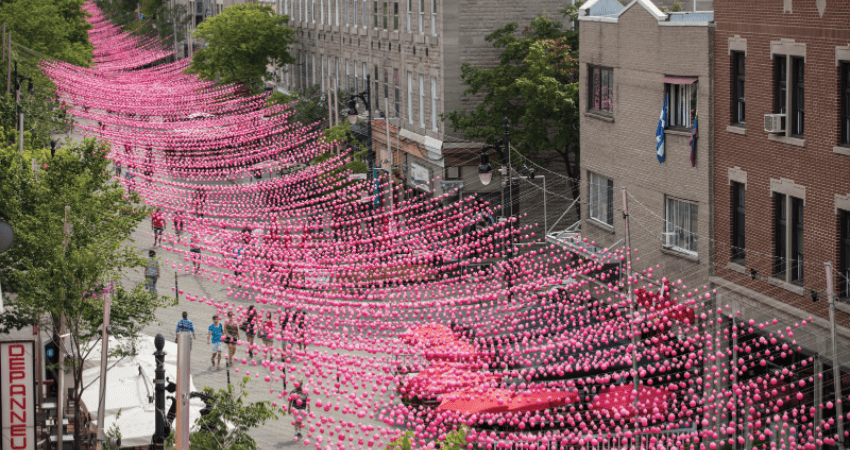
[{"x": 158, "y": 224}]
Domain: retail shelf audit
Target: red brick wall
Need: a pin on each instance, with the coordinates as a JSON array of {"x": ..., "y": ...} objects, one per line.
[{"x": 815, "y": 166}]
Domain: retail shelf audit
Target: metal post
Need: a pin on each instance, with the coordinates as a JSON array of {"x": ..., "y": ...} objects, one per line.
[
  {"x": 184, "y": 344},
  {"x": 176, "y": 288},
  {"x": 545, "y": 213},
  {"x": 21, "y": 137},
  {"x": 159, "y": 394},
  {"x": 104, "y": 351},
  {"x": 507, "y": 146},
  {"x": 836, "y": 369},
  {"x": 628, "y": 251},
  {"x": 9, "y": 66},
  {"x": 60, "y": 396},
  {"x": 370, "y": 158}
]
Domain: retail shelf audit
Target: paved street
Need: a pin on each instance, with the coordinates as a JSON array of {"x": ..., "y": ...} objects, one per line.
[{"x": 276, "y": 434}]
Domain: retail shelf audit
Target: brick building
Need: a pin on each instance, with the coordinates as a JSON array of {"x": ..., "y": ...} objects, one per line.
[
  {"x": 782, "y": 197},
  {"x": 413, "y": 51},
  {"x": 631, "y": 58}
]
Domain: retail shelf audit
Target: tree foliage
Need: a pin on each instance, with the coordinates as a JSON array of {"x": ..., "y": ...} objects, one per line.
[
  {"x": 231, "y": 417},
  {"x": 60, "y": 280},
  {"x": 54, "y": 28},
  {"x": 534, "y": 85},
  {"x": 241, "y": 42}
]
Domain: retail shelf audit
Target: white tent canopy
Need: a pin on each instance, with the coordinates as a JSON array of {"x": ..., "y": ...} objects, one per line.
[{"x": 127, "y": 392}]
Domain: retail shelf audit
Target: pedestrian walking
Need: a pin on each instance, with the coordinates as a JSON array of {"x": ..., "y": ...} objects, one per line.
[
  {"x": 299, "y": 402},
  {"x": 266, "y": 333},
  {"x": 185, "y": 326},
  {"x": 152, "y": 272},
  {"x": 158, "y": 225},
  {"x": 178, "y": 222},
  {"x": 195, "y": 249},
  {"x": 298, "y": 319},
  {"x": 117, "y": 165},
  {"x": 250, "y": 328},
  {"x": 214, "y": 338},
  {"x": 231, "y": 332}
]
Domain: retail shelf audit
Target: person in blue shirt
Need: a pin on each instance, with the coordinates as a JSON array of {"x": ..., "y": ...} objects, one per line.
[
  {"x": 186, "y": 326},
  {"x": 214, "y": 338}
]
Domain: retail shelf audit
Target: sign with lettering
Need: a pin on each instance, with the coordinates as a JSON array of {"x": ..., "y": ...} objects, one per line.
[{"x": 17, "y": 394}]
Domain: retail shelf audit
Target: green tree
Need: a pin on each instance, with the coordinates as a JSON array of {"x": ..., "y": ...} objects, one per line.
[
  {"x": 241, "y": 42},
  {"x": 535, "y": 85},
  {"x": 56, "y": 29},
  {"x": 230, "y": 419},
  {"x": 59, "y": 277}
]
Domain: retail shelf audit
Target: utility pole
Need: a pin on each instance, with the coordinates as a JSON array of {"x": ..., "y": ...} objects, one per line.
[
  {"x": 184, "y": 348},
  {"x": 60, "y": 397},
  {"x": 636, "y": 380},
  {"x": 104, "y": 352},
  {"x": 159, "y": 394},
  {"x": 836, "y": 366}
]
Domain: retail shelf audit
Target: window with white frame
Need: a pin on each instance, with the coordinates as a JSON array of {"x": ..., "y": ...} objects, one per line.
[
  {"x": 433, "y": 17},
  {"x": 601, "y": 198},
  {"x": 336, "y": 12},
  {"x": 354, "y": 13},
  {"x": 322, "y": 11},
  {"x": 422, "y": 101},
  {"x": 336, "y": 86},
  {"x": 313, "y": 11},
  {"x": 347, "y": 19},
  {"x": 409, "y": 16},
  {"x": 410, "y": 97},
  {"x": 421, "y": 16},
  {"x": 313, "y": 67},
  {"x": 681, "y": 225},
  {"x": 323, "y": 73},
  {"x": 356, "y": 78},
  {"x": 395, "y": 16},
  {"x": 434, "y": 104},
  {"x": 347, "y": 76},
  {"x": 365, "y": 10},
  {"x": 681, "y": 105}
]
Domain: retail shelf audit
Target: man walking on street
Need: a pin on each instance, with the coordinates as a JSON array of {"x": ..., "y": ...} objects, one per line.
[
  {"x": 186, "y": 326},
  {"x": 158, "y": 225},
  {"x": 298, "y": 402},
  {"x": 152, "y": 272},
  {"x": 214, "y": 338}
]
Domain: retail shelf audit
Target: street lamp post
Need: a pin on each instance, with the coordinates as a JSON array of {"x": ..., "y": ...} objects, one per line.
[
  {"x": 352, "y": 118},
  {"x": 18, "y": 115},
  {"x": 485, "y": 175}
]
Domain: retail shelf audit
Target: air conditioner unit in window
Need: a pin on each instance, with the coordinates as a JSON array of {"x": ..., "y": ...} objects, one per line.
[{"x": 774, "y": 123}]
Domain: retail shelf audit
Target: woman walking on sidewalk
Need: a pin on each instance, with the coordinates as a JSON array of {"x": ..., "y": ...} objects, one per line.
[
  {"x": 214, "y": 338},
  {"x": 231, "y": 332},
  {"x": 249, "y": 327}
]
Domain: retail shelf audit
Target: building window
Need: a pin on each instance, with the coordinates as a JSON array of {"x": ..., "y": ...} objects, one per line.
[
  {"x": 422, "y": 100},
  {"x": 739, "y": 230},
  {"x": 354, "y": 13},
  {"x": 682, "y": 106},
  {"x": 365, "y": 18},
  {"x": 336, "y": 12},
  {"x": 323, "y": 73},
  {"x": 397, "y": 97},
  {"x": 739, "y": 65},
  {"x": 433, "y": 17},
  {"x": 409, "y": 98},
  {"x": 844, "y": 279},
  {"x": 322, "y": 11},
  {"x": 601, "y": 198},
  {"x": 395, "y": 15},
  {"x": 410, "y": 16},
  {"x": 681, "y": 227},
  {"x": 421, "y": 16},
  {"x": 780, "y": 95},
  {"x": 377, "y": 103},
  {"x": 313, "y": 12},
  {"x": 845, "y": 103},
  {"x": 798, "y": 99},
  {"x": 434, "y": 105},
  {"x": 376, "y": 13},
  {"x": 788, "y": 238},
  {"x": 386, "y": 90},
  {"x": 313, "y": 68},
  {"x": 386, "y": 14},
  {"x": 601, "y": 89},
  {"x": 347, "y": 19},
  {"x": 347, "y": 76},
  {"x": 336, "y": 73},
  {"x": 356, "y": 78}
]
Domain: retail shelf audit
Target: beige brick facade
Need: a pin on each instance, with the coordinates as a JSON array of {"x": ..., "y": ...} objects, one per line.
[{"x": 642, "y": 45}]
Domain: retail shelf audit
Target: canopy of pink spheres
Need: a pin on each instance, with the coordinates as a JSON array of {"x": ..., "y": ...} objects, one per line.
[{"x": 410, "y": 317}]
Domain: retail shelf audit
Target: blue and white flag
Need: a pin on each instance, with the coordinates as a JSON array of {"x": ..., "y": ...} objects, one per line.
[{"x": 659, "y": 133}]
